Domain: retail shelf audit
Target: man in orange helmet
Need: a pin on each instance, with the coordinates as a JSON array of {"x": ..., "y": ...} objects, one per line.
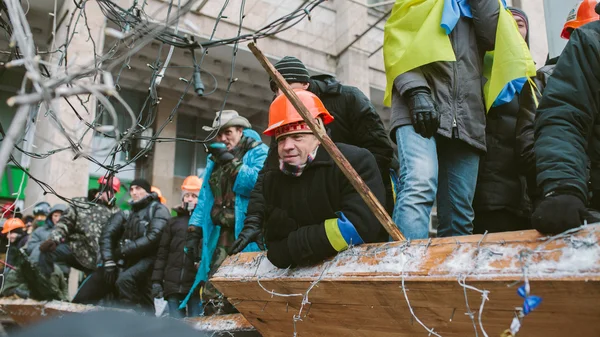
[
  {"x": 311, "y": 209},
  {"x": 567, "y": 135}
]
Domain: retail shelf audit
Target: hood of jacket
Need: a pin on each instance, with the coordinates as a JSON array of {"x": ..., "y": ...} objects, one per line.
[{"x": 324, "y": 84}]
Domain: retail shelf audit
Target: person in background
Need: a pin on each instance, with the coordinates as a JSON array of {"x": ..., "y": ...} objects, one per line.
[
  {"x": 582, "y": 13},
  {"x": 162, "y": 199},
  {"x": 501, "y": 202},
  {"x": 174, "y": 270},
  {"x": 567, "y": 140},
  {"x": 40, "y": 213},
  {"x": 231, "y": 172},
  {"x": 42, "y": 233},
  {"x": 28, "y": 220},
  {"x": 313, "y": 212},
  {"x": 74, "y": 239},
  {"x": 128, "y": 247}
]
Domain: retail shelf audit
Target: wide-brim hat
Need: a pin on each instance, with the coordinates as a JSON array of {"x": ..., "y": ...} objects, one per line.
[{"x": 227, "y": 119}]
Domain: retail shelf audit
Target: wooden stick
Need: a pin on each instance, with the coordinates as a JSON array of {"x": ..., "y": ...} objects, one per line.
[{"x": 328, "y": 144}]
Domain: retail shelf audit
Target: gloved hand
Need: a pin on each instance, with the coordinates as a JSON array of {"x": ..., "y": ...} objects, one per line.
[
  {"x": 252, "y": 232},
  {"x": 279, "y": 225},
  {"x": 48, "y": 246},
  {"x": 193, "y": 240},
  {"x": 560, "y": 212},
  {"x": 279, "y": 254},
  {"x": 157, "y": 290},
  {"x": 424, "y": 112},
  {"x": 125, "y": 248},
  {"x": 220, "y": 153},
  {"x": 110, "y": 272}
]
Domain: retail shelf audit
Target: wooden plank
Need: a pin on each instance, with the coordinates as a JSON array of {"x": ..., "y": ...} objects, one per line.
[
  {"x": 230, "y": 323},
  {"x": 359, "y": 292},
  {"x": 338, "y": 157}
]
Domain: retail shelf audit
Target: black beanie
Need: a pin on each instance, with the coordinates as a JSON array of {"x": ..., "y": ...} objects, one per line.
[
  {"x": 292, "y": 70},
  {"x": 143, "y": 183}
]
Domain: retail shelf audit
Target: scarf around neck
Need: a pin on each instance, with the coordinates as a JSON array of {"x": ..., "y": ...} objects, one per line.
[{"x": 296, "y": 170}]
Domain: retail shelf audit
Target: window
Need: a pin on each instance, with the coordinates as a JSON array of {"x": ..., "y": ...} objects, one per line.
[{"x": 190, "y": 158}]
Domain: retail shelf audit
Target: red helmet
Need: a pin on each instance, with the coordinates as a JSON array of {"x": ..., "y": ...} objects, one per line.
[
  {"x": 584, "y": 12},
  {"x": 113, "y": 181}
]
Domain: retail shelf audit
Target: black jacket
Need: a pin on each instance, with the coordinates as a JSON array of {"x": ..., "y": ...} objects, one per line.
[
  {"x": 135, "y": 233},
  {"x": 525, "y": 125},
  {"x": 315, "y": 196},
  {"x": 500, "y": 186},
  {"x": 567, "y": 129},
  {"x": 173, "y": 269}
]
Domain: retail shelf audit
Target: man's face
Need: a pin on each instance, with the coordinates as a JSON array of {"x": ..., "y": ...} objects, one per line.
[
  {"x": 522, "y": 26},
  {"x": 56, "y": 217},
  {"x": 296, "y": 85},
  {"x": 294, "y": 149},
  {"x": 190, "y": 199},
  {"x": 105, "y": 196},
  {"x": 39, "y": 219},
  {"x": 13, "y": 236},
  {"x": 230, "y": 136},
  {"x": 137, "y": 193}
]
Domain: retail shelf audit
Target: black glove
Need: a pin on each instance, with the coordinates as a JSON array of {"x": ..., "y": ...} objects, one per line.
[
  {"x": 424, "y": 112},
  {"x": 279, "y": 225},
  {"x": 48, "y": 246},
  {"x": 252, "y": 232},
  {"x": 220, "y": 153},
  {"x": 193, "y": 241},
  {"x": 279, "y": 254},
  {"x": 110, "y": 272},
  {"x": 157, "y": 290},
  {"x": 560, "y": 212},
  {"x": 125, "y": 248}
]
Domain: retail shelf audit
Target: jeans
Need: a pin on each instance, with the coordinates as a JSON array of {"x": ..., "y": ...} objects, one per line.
[
  {"x": 62, "y": 254},
  {"x": 430, "y": 167},
  {"x": 194, "y": 308}
]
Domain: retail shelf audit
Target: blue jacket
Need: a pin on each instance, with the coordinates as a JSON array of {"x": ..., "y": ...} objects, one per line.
[{"x": 252, "y": 163}]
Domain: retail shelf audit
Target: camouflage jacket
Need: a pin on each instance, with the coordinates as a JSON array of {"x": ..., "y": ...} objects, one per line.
[{"x": 80, "y": 227}]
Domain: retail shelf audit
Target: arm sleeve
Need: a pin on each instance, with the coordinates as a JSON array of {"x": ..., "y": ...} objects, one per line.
[
  {"x": 110, "y": 235},
  {"x": 248, "y": 172},
  {"x": 485, "y": 19},
  {"x": 410, "y": 80},
  {"x": 371, "y": 133},
  {"x": 65, "y": 225},
  {"x": 566, "y": 116},
  {"x": 151, "y": 239},
  {"x": 162, "y": 255},
  {"x": 34, "y": 241}
]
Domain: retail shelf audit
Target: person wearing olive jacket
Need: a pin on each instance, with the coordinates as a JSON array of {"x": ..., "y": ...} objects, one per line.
[{"x": 567, "y": 136}]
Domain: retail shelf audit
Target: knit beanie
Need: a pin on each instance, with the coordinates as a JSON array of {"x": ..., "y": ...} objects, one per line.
[
  {"x": 143, "y": 183},
  {"x": 292, "y": 70},
  {"x": 520, "y": 13}
]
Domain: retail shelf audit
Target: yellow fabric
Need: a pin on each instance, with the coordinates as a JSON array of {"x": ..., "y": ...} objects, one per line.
[
  {"x": 334, "y": 235},
  {"x": 412, "y": 38},
  {"x": 511, "y": 58}
]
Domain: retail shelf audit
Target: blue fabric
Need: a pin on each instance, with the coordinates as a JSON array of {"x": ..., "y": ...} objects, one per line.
[
  {"x": 252, "y": 162},
  {"x": 348, "y": 230},
  {"x": 430, "y": 167},
  {"x": 510, "y": 90},
  {"x": 453, "y": 11}
]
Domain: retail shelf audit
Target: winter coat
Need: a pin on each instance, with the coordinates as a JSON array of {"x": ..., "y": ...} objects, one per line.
[
  {"x": 136, "y": 232},
  {"x": 38, "y": 236},
  {"x": 356, "y": 120},
  {"x": 252, "y": 162},
  {"x": 173, "y": 268},
  {"x": 500, "y": 186},
  {"x": 525, "y": 124},
  {"x": 80, "y": 227},
  {"x": 456, "y": 87},
  {"x": 314, "y": 197},
  {"x": 567, "y": 127}
]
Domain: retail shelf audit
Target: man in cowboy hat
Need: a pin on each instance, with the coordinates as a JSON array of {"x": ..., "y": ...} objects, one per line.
[
  {"x": 231, "y": 171},
  {"x": 311, "y": 209}
]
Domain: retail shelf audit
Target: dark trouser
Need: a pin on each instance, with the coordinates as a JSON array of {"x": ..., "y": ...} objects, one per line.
[
  {"x": 132, "y": 287},
  {"x": 193, "y": 305},
  {"x": 62, "y": 254},
  {"x": 499, "y": 221}
]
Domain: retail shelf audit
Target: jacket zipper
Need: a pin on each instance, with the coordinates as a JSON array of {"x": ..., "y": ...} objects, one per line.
[{"x": 453, "y": 133}]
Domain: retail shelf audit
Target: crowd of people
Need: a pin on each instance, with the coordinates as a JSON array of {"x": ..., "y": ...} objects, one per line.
[{"x": 517, "y": 166}]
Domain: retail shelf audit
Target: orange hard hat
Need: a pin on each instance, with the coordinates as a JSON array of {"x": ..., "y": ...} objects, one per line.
[
  {"x": 192, "y": 184},
  {"x": 113, "y": 182},
  {"x": 156, "y": 190},
  {"x": 284, "y": 119},
  {"x": 584, "y": 12},
  {"x": 12, "y": 224}
]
